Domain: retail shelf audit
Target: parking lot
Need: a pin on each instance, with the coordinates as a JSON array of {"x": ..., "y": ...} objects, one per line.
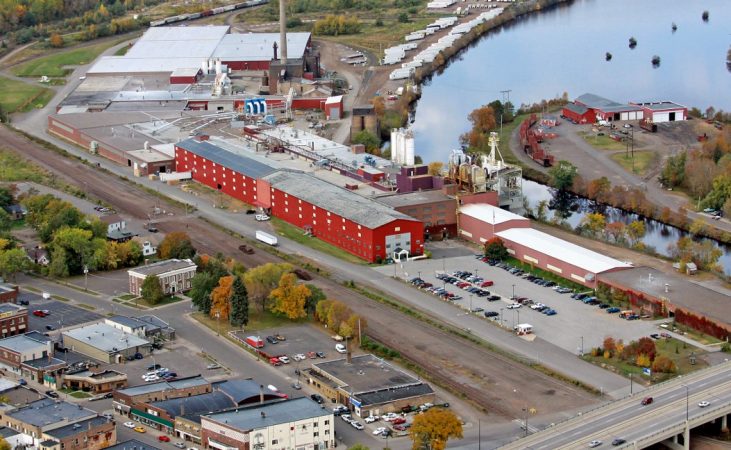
[
  {"x": 573, "y": 323},
  {"x": 177, "y": 357},
  {"x": 60, "y": 314},
  {"x": 299, "y": 340}
]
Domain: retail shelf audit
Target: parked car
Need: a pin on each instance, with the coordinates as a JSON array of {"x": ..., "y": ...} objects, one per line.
[
  {"x": 179, "y": 445},
  {"x": 317, "y": 398},
  {"x": 389, "y": 416},
  {"x": 320, "y": 354},
  {"x": 213, "y": 366},
  {"x": 130, "y": 424},
  {"x": 514, "y": 306},
  {"x": 139, "y": 429},
  {"x": 271, "y": 339},
  {"x": 52, "y": 394},
  {"x": 613, "y": 310},
  {"x": 371, "y": 419},
  {"x": 299, "y": 357},
  {"x": 347, "y": 418},
  {"x": 357, "y": 425},
  {"x": 275, "y": 361},
  {"x": 398, "y": 421},
  {"x": 340, "y": 348},
  {"x": 154, "y": 367},
  {"x": 261, "y": 217},
  {"x": 50, "y": 327},
  {"x": 379, "y": 430},
  {"x": 280, "y": 337},
  {"x": 40, "y": 312},
  {"x": 163, "y": 438},
  {"x": 284, "y": 359},
  {"x": 491, "y": 313}
]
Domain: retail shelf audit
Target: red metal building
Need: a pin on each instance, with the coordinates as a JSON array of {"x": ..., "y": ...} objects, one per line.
[
  {"x": 578, "y": 113},
  {"x": 358, "y": 225}
]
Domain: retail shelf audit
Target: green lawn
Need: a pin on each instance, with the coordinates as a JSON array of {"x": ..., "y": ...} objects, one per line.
[
  {"x": 165, "y": 301},
  {"x": 546, "y": 275},
  {"x": 80, "y": 394},
  {"x": 53, "y": 64},
  {"x": 643, "y": 160},
  {"x": 16, "y": 96},
  {"x": 297, "y": 234},
  {"x": 127, "y": 296},
  {"x": 603, "y": 142},
  {"x": 678, "y": 351},
  {"x": 122, "y": 50}
]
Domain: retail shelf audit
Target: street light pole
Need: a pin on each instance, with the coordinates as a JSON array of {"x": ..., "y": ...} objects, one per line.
[
  {"x": 582, "y": 345},
  {"x": 630, "y": 384},
  {"x": 513, "y": 297},
  {"x": 470, "y": 303},
  {"x": 687, "y": 404},
  {"x": 86, "y": 278},
  {"x": 218, "y": 320}
]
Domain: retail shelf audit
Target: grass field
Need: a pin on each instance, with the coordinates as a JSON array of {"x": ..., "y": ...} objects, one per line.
[
  {"x": 257, "y": 321},
  {"x": 298, "y": 235},
  {"x": 643, "y": 160},
  {"x": 603, "y": 142},
  {"x": 376, "y": 39},
  {"x": 16, "y": 96},
  {"x": 53, "y": 64}
]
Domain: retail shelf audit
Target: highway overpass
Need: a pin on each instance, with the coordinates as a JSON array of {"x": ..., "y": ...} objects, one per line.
[{"x": 675, "y": 411}]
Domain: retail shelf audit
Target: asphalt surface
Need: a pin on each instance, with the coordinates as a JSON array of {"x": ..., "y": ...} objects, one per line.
[
  {"x": 61, "y": 314},
  {"x": 628, "y": 419}
]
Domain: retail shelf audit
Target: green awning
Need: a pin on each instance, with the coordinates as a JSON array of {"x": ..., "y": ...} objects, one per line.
[{"x": 153, "y": 418}]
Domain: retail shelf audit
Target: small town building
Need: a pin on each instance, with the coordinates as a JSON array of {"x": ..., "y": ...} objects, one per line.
[
  {"x": 105, "y": 343},
  {"x": 96, "y": 382},
  {"x": 13, "y": 319},
  {"x": 175, "y": 275},
  {"x": 293, "y": 424},
  {"x": 364, "y": 118},
  {"x": 8, "y": 293},
  {"x": 114, "y": 222},
  {"x": 67, "y": 424},
  {"x": 131, "y": 401},
  {"x": 436, "y": 209},
  {"x": 156, "y": 327},
  {"x": 30, "y": 355},
  {"x": 661, "y": 112},
  {"x": 368, "y": 385},
  {"x": 38, "y": 255},
  {"x": 16, "y": 212}
]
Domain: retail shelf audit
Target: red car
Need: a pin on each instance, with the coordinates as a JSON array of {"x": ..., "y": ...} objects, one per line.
[
  {"x": 163, "y": 438},
  {"x": 486, "y": 283},
  {"x": 646, "y": 401},
  {"x": 40, "y": 313},
  {"x": 275, "y": 361},
  {"x": 398, "y": 421}
]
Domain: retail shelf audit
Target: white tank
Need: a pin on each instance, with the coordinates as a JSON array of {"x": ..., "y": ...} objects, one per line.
[
  {"x": 218, "y": 66},
  {"x": 204, "y": 67}
]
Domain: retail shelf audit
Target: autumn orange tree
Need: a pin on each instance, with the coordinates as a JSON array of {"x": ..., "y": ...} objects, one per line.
[
  {"x": 176, "y": 244},
  {"x": 221, "y": 298},
  {"x": 483, "y": 121},
  {"x": 290, "y": 297},
  {"x": 434, "y": 428},
  {"x": 56, "y": 40}
]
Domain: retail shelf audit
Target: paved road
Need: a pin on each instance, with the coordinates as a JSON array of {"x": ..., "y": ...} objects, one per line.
[{"x": 628, "y": 419}]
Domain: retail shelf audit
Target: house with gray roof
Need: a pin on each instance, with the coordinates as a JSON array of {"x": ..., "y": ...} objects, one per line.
[
  {"x": 105, "y": 343},
  {"x": 175, "y": 275}
]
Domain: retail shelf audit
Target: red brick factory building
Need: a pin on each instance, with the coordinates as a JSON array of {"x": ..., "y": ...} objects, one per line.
[{"x": 358, "y": 225}]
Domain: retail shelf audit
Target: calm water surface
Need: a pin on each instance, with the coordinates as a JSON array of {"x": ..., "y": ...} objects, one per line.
[{"x": 562, "y": 50}]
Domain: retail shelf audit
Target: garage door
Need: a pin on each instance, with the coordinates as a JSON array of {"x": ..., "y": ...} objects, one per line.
[
  {"x": 635, "y": 115},
  {"x": 334, "y": 113},
  {"x": 624, "y": 116},
  {"x": 660, "y": 117}
]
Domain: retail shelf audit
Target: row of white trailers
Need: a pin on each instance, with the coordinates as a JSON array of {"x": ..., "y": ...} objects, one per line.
[
  {"x": 394, "y": 55},
  {"x": 430, "y": 53}
]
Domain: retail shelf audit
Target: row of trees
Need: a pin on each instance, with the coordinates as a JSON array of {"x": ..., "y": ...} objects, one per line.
[{"x": 339, "y": 318}]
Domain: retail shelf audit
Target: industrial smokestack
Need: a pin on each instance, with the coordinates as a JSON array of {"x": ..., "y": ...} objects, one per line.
[
  {"x": 283, "y": 30},
  {"x": 261, "y": 395},
  {"x": 275, "y": 50}
]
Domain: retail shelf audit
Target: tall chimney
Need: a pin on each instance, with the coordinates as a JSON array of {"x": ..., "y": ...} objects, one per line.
[
  {"x": 275, "y": 50},
  {"x": 261, "y": 394},
  {"x": 283, "y": 31}
]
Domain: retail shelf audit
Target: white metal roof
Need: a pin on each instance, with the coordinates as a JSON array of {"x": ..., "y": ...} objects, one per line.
[
  {"x": 489, "y": 214},
  {"x": 198, "y": 33},
  {"x": 334, "y": 100},
  {"x": 124, "y": 64},
  {"x": 259, "y": 46},
  {"x": 106, "y": 338},
  {"x": 554, "y": 247}
]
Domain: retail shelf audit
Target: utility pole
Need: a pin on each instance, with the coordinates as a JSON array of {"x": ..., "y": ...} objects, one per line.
[{"x": 506, "y": 99}]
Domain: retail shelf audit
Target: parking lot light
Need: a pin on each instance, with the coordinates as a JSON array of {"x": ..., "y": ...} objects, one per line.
[{"x": 513, "y": 297}]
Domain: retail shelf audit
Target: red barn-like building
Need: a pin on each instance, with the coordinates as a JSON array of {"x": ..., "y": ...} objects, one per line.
[
  {"x": 578, "y": 113},
  {"x": 358, "y": 225}
]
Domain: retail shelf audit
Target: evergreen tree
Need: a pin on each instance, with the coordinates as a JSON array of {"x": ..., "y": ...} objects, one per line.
[{"x": 239, "y": 304}]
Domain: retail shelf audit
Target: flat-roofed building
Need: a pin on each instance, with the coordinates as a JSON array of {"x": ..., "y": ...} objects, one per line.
[
  {"x": 131, "y": 401},
  {"x": 369, "y": 385},
  {"x": 105, "y": 343},
  {"x": 13, "y": 319},
  {"x": 30, "y": 355},
  {"x": 96, "y": 382},
  {"x": 293, "y": 424},
  {"x": 175, "y": 275}
]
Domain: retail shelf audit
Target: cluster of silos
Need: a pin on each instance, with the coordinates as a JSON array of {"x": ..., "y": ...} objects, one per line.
[{"x": 402, "y": 146}]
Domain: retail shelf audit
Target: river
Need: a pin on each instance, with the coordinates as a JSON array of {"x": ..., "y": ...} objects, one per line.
[{"x": 563, "y": 50}]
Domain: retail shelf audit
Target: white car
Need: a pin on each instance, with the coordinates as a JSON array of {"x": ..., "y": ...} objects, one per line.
[
  {"x": 130, "y": 424},
  {"x": 537, "y": 305},
  {"x": 340, "y": 348},
  {"x": 514, "y": 306},
  {"x": 595, "y": 443},
  {"x": 284, "y": 359},
  {"x": 179, "y": 445},
  {"x": 371, "y": 419},
  {"x": 379, "y": 430},
  {"x": 704, "y": 403},
  {"x": 261, "y": 217},
  {"x": 299, "y": 357},
  {"x": 347, "y": 418},
  {"x": 161, "y": 370},
  {"x": 389, "y": 417},
  {"x": 150, "y": 378},
  {"x": 357, "y": 425}
]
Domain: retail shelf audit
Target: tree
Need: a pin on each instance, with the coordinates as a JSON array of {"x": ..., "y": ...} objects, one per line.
[
  {"x": 13, "y": 261},
  {"x": 370, "y": 140},
  {"x": 221, "y": 298},
  {"x": 239, "y": 303},
  {"x": 616, "y": 231},
  {"x": 202, "y": 285},
  {"x": 636, "y": 231},
  {"x": 598, "y": 189},
  {"x": 290, "y": 297},
  {"x": 697, "y": 227},
  {"x": 593, "y": 223},
  {"x": 495, "y": 249},
  {"x": 315, "y": 297},
  {"x": 562, "y": 175},
  {"x": 433, "y": 429},
  {"x": 673, "y": 173},
  {"x": 176, "y": 245},
  {"x": 435, "y": 168},
  {"x": 403, "y": 17},
  {"x": 152, "y": 290},
  {"x": 7, "y": 197},
  {"x": 337, "y": 314},
  {"x": 77, "y": 247},
  {"x": 5, "y": 445},
  {"x": 262, "y": 279},
  {"x": 609, "y": 344},
  {"x": 356, "y": 324},
  {"x": 663, "y": 364},
  {"x": 56, "y": 40}
]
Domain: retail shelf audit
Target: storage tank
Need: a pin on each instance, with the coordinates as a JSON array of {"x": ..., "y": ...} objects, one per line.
[{"x": 218, "y": 66}]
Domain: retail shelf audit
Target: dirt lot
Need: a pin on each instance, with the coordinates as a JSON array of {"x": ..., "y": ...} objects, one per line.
[{"x": 484, "y": 377}]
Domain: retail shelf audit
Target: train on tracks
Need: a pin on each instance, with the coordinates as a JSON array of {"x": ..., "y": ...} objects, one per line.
[{"x": 208, "y": 12}]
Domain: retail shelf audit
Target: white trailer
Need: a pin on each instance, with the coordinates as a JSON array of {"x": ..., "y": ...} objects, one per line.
[{"x": 266, "y": 238}]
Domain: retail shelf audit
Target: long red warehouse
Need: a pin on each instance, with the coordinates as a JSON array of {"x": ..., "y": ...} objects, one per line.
[{"x": 358, "y": 225}]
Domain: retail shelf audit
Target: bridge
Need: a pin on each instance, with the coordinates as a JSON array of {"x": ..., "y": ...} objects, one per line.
[{"x": 678, "y": 406}]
